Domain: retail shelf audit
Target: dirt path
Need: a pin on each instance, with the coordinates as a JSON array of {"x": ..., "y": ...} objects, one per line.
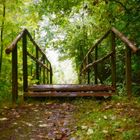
[
  {"x": 37, "y": 121},
  {"x": 83, "y": 119}
]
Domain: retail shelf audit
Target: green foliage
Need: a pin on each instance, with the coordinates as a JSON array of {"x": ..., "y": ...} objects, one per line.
[{"x": 100, "y": 120}]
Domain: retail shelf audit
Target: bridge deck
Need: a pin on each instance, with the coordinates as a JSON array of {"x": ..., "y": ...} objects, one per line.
[{"x": 69, "y": 90}]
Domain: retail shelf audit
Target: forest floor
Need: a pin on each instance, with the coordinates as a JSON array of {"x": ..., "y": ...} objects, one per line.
[{"x": 76, "y": 119}]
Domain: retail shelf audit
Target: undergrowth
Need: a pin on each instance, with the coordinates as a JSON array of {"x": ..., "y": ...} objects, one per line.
[{"x": 116, "y": 119}]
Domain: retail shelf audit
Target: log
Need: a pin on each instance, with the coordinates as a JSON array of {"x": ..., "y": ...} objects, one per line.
[
  {"x": 96, "y": 62},
  {"x": 96, "y": 44},
  {"x": 10, "y": 48},
  {"x": 66, "y": 94},
  {"x": 70, "y": 88},
  {"x": 34, "y": 43},
  {"x": 39, "y": 62},
  {"x": 125, "y": 40}
]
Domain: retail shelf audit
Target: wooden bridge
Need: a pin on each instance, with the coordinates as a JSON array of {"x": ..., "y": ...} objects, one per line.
[{"x": 44, "y": 74}]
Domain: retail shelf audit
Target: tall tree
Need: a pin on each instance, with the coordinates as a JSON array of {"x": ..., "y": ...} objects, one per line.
[{"x": 1, "y": 35}]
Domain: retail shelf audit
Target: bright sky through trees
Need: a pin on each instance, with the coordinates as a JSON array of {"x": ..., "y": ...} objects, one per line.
[{"x": 63, "y": 71}]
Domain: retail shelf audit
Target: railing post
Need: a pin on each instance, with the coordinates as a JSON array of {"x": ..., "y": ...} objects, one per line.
[
  {"x": 96, "y": 67},
  {"x": 40, "y": 76},
  {"x": 128, "y": 71},
  {"x": 25, "y": 70},
  {"x": 80, "y": 75},
  {"x": 51, "y": 74},
  {"x": 113, "y": 60},
  {"x": 47, "y": 74},
  {"x": 80, "y": 79},
  {"x": 37, "y": 66},
  {"x": 84, "y": 73},
  {"x": 14, "y": 75},
  {"x": 88, "y": 72},
  {"x": 44, "y": 80}
]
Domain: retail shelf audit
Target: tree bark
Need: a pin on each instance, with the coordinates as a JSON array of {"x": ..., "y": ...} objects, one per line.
[{"x": 1, "y": 37}]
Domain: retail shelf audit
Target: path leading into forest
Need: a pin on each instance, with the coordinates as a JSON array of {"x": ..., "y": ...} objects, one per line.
[
  {"x": 37, "y": 122},
  {"x": 78, "y": 119}
]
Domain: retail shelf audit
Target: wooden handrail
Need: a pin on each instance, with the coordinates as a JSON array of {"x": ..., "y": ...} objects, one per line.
[
  {"x": 97, "y": 61},
  {"x": 120, "y": 35},
  {"x": 131, "y": 45},
  {"x": 43, "y": 62},
  {"x": 12, "y": 46},
  {"x": 96, "y": 44},
  {"x": 36, "y": 60},
  {"x": 35, "y": 44}
]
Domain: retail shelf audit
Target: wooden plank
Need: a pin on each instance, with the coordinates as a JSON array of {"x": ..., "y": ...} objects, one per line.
[
  {"x": 71, "y": 87},
  {"x": 125, "y": 40},
  {"x": 66, "y": 94}
]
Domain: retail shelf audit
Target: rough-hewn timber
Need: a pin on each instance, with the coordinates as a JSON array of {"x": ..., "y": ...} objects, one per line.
[
  {"x": 70, "y": 88},
  {"x": 66, "y": 94}
]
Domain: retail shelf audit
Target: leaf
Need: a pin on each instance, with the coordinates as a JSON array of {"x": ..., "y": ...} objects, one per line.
[
  {"x": 105, "y": 131},
  {"x": 84, "y": 127},
  {"x": 105, "y": 117},
  {"x": 27, "y": 123},
  {"x": 90, "y": 131},
  {"x": 43, "y": 125},
  {"x": 3, "y": 119}
]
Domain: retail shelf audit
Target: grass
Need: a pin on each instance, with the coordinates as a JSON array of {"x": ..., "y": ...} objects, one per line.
[{"x": 117, "y": 119}]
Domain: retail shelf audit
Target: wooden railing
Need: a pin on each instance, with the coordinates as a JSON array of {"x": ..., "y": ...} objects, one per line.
[
  {"x": 130, "y": 47},
  {"x": 40, "y": 59}
]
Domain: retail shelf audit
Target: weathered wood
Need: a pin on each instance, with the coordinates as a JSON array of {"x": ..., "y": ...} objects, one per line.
[
  {"x": 37, "y": 64},
  {"x": 13, "y": 48},
  {"x": 44, "y": 78},
  {"x": 88, "y": 72},
  {"x": 70, "y": 87},
  {"x": 128, "y": 72},
  {"x": 96, "y": 66},
  {"x": 14, "y": 75},
  {"x": 25, "y": 70},
  {"x": 47, "y": 74},
  {"x": 35, "y": 44},
  {"x": 113, "y": 60},
  {"x": 37, "y": 61},
  {"x": 51, "y": 74},
  {"x": 88, "y": 77},
  {"x": 125, "y": 40},
  {"x": 96, "y": 44},
  {"x": 10, "y": 48},
  {"x": 67, "y": 94},
  {"x": 96, "y": 62}
]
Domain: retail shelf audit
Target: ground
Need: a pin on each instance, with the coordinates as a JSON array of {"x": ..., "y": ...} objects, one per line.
[{"x": 72, "y": 119}]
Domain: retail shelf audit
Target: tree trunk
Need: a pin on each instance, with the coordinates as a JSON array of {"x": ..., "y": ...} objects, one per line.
[{"x": 1, "y": 37}]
